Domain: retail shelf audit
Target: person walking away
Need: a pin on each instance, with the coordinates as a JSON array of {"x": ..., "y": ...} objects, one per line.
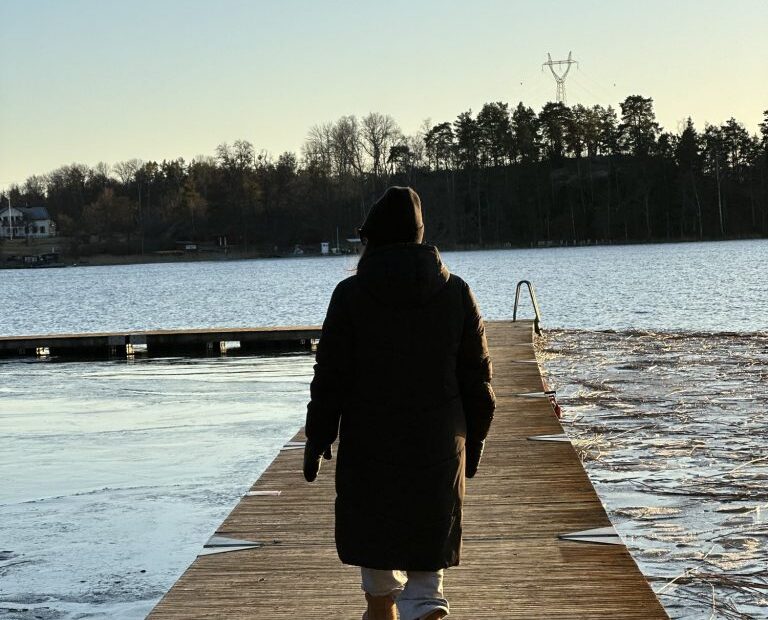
[{"x": 403, "y": 378}]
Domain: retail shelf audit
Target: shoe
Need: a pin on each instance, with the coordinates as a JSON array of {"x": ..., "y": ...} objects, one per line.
[
  {"x": 438, "y": 614},
  {"x": 380, "y": 608}
]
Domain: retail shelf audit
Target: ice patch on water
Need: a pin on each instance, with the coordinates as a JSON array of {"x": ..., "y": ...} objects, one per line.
[
  {"x": 111, "y": 489},
  {"x": 671, "y": 429}
]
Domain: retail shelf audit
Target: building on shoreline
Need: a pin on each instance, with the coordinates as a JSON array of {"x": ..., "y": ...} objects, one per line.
[
  {"x": 26, "y": 223},
  {"x": 11, "y": 223}
]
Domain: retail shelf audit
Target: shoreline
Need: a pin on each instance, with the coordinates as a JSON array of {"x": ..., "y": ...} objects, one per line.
[{"x": 101, "y": 260}]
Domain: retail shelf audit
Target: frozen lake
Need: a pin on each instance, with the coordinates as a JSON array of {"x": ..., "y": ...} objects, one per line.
[{"x": 114, "y": 473}]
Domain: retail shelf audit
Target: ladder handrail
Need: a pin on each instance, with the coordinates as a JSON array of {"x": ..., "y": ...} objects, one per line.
[{"x": 532, "y": 293}]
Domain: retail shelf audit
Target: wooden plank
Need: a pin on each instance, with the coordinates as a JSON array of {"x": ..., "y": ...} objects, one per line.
[{"x": 513, "y": 564}]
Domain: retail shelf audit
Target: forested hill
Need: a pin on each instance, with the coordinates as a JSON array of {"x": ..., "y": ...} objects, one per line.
[{"x": 503, "y": 176}]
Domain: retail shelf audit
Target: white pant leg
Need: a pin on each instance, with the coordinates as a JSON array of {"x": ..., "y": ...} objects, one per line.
[
  {"x": 423, "y": 594},
  {"x": 382, "y": 582}
]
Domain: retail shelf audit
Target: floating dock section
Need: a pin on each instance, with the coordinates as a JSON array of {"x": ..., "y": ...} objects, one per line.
[
  {"x": 537, "y": 541},
  {"x": 160, "y": 342}
]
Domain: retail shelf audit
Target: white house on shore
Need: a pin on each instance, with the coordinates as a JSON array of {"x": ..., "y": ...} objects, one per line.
[
  {"x": 11, "y": 223},
  {"x": 26, "y": 223}
]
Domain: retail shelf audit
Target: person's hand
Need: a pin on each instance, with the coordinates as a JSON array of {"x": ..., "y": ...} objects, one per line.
[
  {"x": 474, "y": 451},
  {"x": 313, "y": 456}
]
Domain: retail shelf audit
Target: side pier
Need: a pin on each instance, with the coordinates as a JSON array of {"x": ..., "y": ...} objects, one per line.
[
  {"x": 534, "y": 538},
  {"x": 160, "y": 342}
]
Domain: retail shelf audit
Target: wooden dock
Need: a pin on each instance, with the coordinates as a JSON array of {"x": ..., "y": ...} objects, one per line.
[
  {"x": 514, "y": 565},
  {"x": 160, "y": 342}
]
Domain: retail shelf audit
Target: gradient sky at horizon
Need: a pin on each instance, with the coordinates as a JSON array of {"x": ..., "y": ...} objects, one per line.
[{"x": 87, "y": 81}]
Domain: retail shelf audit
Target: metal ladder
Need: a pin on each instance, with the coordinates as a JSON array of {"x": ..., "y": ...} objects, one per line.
[{"x": 532, "y": 293}]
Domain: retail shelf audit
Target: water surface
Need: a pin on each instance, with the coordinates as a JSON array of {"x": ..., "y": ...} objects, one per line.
[
  {"x": 688, "y": 286},
  {"x": 115, "y": 472},
  {"x": 672, "y": 431}
]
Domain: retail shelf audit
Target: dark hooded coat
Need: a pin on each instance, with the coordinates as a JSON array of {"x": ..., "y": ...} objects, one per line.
[{"x": 403, "y": 376}]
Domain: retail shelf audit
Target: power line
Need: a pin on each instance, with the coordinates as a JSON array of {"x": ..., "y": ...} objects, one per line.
[
  {"x": 596, "y": 98},
  {"x": 559, "y": 79},
  {"x": 606, "y": 90}
]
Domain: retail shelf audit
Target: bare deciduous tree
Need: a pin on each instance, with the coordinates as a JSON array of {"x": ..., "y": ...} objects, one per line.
[
  {"x": 125, "y": 171},
  {"x": 347, "y": 155},
  {"x": 318, "y": 148},
  {"x": 379, "y": 132}
]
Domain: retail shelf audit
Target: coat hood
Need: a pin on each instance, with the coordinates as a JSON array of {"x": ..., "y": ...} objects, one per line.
[
  {"x": 395, "y": 218},
  {"x": 403, "y": 274}
]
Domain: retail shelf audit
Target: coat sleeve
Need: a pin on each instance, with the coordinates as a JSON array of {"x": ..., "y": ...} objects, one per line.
[
  {"x": 331, "y": 364},
  {"x": 474, "y": 371}
]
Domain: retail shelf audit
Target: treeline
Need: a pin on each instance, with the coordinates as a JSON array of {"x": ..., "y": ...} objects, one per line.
[{"x": 501, "y": 177}]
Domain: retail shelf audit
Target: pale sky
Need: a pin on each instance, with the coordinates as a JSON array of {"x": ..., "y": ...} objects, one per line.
[{"x": 88, "y": 81}]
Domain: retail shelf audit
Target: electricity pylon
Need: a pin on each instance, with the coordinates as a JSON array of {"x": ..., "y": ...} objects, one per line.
[{"x": 560, "y": 79}]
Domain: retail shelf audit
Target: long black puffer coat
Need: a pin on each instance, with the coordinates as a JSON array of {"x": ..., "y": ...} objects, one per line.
[{"x": 403, "y": 375}]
